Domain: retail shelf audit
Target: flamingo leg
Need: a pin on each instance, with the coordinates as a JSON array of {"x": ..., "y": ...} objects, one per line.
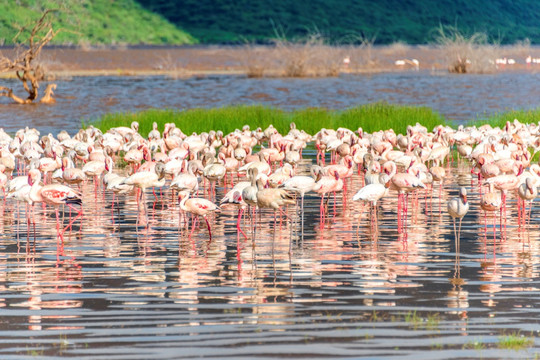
[
  {"x": 459, "y": 236},
  {"x": 209, "y": 231},
  {"x": 302, "y": 206},
  {"x": 112, "y": 209},
  {"x": 59, "y": 235},
  {"x": 455, "y": 235},
  {"x": 530, "y": 210},
  {"x": 239, "y": 230},
  {"x": 399, "y": 212}
]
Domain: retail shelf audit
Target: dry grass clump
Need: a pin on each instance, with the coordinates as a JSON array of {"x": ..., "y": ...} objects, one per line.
[
  {"x": 256, "y": 60},
  {"x": 521, "y": 48},
  {"x": 309, "y": 57},
  {"x": 173, "y": 67},
  {"x": 467, "y": 54}
]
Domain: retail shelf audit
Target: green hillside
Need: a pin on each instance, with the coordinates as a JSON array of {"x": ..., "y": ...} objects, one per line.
[
  {"x": 92, "y": 22},
  {"x": 410, "y": 21}
]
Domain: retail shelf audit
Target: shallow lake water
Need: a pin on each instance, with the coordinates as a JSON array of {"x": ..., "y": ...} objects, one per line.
[
  {"x": 139, "y": 284},
  {"x": 135, "y": 283},
  {"x": 459, "y": 98}
]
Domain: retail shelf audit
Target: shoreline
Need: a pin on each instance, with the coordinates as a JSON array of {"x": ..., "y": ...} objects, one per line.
[{"x": 254, "y": 61}]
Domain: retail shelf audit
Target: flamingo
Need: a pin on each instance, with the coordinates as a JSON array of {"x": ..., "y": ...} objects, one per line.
[
  {"x": 274, "y": 199},
  {"x": 234, "y": 196},
  {"x": 506, "y": 182},
  {"x": 372, "y": 193},
  {"x": 94, "y": 168},
  {"x": 71, "y": 174},
  {"x": 528, "y": 191},
  {"x": 53, "y": 195},
  {"x": 213, "y": 172},
  {"x": 403, "y": 183},
  {"x": 300, "y": 184},
  {"x": 145, "y": 179},
  {"x": 187, "y": 181},
  {"x": 458, "y": 208},
  {"x": 197, "y": 206},
  {"x": 491, "y": 201},
  {"x": 326, "y": 184}
]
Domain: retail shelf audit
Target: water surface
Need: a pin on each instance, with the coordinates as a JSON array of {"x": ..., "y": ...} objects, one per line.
[
  {"x": 139, "y": 284},
  {"x": 457, "y": 97}
]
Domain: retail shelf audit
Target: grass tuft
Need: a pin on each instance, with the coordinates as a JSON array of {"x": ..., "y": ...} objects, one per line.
[
  {"x": 515, "y": 341},
  {"x": 372, "y": 117}
]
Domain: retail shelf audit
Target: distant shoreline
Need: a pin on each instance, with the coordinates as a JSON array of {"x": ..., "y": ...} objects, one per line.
[{"x": 186, "y": 61}]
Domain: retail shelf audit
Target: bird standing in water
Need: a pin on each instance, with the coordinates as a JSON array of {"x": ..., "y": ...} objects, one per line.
[{"x": 457, "y": 208}]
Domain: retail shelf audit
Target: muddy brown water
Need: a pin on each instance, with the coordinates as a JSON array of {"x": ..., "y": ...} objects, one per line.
[{"x": 124, "y": 285}]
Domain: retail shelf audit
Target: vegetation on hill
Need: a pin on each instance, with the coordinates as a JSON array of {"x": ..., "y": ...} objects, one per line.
[
  {"x": 413, "y": 22},
  {"x": 92, "y": 22}
]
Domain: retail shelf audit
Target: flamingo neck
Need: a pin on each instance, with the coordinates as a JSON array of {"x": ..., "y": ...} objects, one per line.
[
  {"x": 183, "y": 202},
  {"x": 34, "y": 194}
]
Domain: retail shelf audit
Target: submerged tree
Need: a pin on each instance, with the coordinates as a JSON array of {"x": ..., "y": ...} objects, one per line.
[{"x": 25, "y": 62}]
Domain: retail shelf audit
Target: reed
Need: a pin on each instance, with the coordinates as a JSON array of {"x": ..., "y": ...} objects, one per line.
[{"x": 371, "y": 117}]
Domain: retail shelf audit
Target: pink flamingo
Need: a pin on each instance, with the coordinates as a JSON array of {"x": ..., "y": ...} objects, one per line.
[
  {"x": 145, "y": 179},
  {"x": 491, "y": 201},
  {"x": 372, "y": 193},
  {"x": 300, "y": 184},
  {"x": 214, "y": 172},
  {"x": 94, "y": 168},
  {"x": 458, "y": 208},
  {"x": 234, "y": 197},
  {"x": 197, "y": 206},
  {"x": 71, "y": 174},
  {"x": 326, "y": 184},
  {"x": 403, "y": 183},
  {"x": 187, "y": 180},
  {"x": 528, "y": 191},
  {"x": 53, "y": 195},
  {"x": 506, "y": 182}
]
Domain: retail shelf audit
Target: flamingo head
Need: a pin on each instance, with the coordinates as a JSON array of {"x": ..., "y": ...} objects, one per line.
[
  {"x": 481, "y": 160},
  {"x": 237, "y": 197},
  {"x": 182, "y": 195},
  {"x": 31, "y": 176},
  {"x": 529, "y": 184},
  {"x": 463, "y": 194}
]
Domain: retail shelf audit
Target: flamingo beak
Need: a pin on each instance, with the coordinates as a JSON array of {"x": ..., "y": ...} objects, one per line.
[
  {"x": 464, "y": 198},
  {"x": 30, "y": 181}
]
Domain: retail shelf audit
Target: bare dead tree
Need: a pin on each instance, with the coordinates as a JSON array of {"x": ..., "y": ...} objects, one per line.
[{"x": 24, "y": 63}]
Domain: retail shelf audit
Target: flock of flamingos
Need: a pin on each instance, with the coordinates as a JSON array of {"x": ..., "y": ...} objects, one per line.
[{"x": 43, "y": 169}]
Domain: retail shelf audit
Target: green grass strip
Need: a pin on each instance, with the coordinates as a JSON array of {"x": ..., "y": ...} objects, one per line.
[{"x": 371, "y": 118}]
